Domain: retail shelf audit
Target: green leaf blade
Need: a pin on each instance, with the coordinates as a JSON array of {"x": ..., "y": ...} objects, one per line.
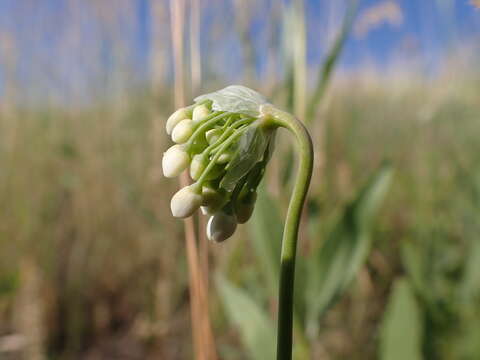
[
  {"x": 334, "y": 265},
  {"x": 266, "y": 227},
  {"x": 402, "y": 328},
  {"x": 253, "y": 323}
]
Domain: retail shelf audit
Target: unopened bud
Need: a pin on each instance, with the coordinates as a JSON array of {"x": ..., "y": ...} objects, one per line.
[
  {"x": 213, "y": 200},
  {"x": 200, "y": 112},
  {"x": 185, "y": 202},
  {"x": 221, "y": 226},
  {"x": 244, "y": 207},
  {"x": 182, "y": 131},
  {"x": 175, "y": 118},
  {"x": 224, "y": 158},
  {"x": 213, "y": 135},
  {"x": 174, "y": 161}
]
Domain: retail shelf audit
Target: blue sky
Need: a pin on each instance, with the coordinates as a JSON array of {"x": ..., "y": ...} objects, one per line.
[
  {"x": 49, "y": 51},
  {"x": 433, "y": 26}
]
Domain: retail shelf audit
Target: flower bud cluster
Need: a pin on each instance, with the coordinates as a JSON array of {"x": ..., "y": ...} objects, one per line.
[{"x": 216, "y": 148}]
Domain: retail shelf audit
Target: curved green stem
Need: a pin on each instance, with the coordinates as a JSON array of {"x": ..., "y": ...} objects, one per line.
[{"x": 290, "y": 233}]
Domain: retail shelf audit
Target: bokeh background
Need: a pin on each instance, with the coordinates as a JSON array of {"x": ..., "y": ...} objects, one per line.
[{"x": 93, "y": 266}]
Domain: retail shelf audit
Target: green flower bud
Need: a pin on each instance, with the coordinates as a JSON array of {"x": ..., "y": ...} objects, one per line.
[
  {"x": 213, "y": 200},
  {"x": 185, "y": 202},
  {"x": 182, "y": 131},
  {"x": 221, "y": 226},
  {"x": 175, "y": 118},
  {"x": 206, "y": 210},
  {"x": 200, "y": 112},
  {"x": 244, "y": 206},
  {"x": 174, "y": 161}
]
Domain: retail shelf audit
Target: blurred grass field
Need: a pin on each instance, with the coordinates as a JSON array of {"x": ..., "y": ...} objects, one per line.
[{"x": 92, "y": 264}]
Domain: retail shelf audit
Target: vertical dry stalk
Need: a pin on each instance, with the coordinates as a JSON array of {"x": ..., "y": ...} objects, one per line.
[
  {"x": 164, "y": 284},
  {"x": 195, "y": 53},
  {"x": 242, "y": 25},
  {"x": 158, "y": 61},
  {"x": 30, "y": 309},
  {"x": 8, "y": 61},
  {"x": 196, "y": 77},
  {"x": 299, "y": 60},
  {"x": 177, "y": 9},
  {"x": 201, "y": 329},
  {"x": 208, "y": 342}
]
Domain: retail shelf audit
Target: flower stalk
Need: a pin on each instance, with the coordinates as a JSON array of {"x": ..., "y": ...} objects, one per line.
[{"x": 290, "y": 232}]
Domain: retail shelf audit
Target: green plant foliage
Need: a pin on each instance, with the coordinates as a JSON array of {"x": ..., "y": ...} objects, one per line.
[
  {"x": 401, "y": 331},
  {"x": 334, "y": 265},
  {"x": 331, "y": 60},
  {"x": 8, "y": 283},
  {"x": 254, "y": 325},
  {"x": 266, "y": 229},
  {"x": 471, "y": 280},
  {"x": 413, "y": 261}
]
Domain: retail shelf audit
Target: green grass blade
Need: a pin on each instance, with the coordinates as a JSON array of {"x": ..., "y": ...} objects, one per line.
[
  {"x": 334, "y": 265},
  {"x": 470, "y": 286},
  {"x": 253, "y": 323},
  {"x": 413, "y": 259},
  {"x": 330, "y": 62},
  {"x": 288, "y": 40},
  {"x": 402, "y": 328},
  {"x": 299, "y": 59},
  {"x": 266, "y": 227}
]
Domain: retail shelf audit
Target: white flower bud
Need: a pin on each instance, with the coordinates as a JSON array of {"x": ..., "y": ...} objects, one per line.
[
  {"x": 182, "y": 131},
  {"x": 221, "y": 226},
  {"x": 175, "y": 118},
  {"x": 200, "y": 112},
  {"x": 244, "y": 207},
  {"x": 213, "y": 135},
  {"x": 174, "y": 161},
  {"x": 185, "y": 202},
  {"x": 197, "y": 166}
]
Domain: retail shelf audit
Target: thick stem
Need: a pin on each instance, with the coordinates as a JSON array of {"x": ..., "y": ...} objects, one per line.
[{"x": 290, "y": 232}]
